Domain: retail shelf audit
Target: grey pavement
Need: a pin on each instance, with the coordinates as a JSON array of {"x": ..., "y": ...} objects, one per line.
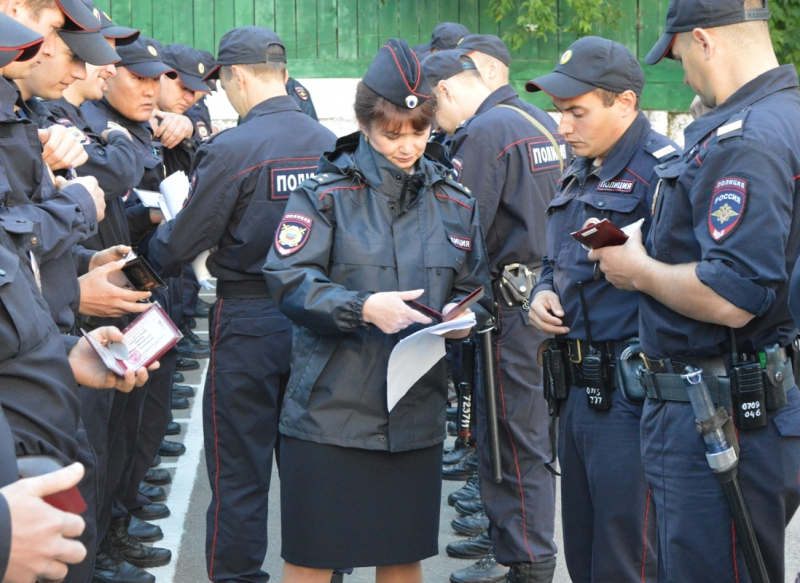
[{"x": 189, "y": 496}]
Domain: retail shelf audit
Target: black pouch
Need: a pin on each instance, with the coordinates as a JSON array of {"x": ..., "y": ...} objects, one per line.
[
  {"x": 748, "y": 399},
  {"x": 553, "y": 359},
  {"x": 628, "y": 374},
  {"x": 778, "y": 377}
]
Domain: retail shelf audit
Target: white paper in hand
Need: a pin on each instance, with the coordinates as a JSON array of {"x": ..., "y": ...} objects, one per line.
[
  {"x": 175, "y": 189},
  {"x": 415, "y": 355}
]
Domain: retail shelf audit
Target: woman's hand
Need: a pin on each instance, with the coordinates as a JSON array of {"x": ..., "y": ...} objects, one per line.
[{"x": 389, "y": 311}]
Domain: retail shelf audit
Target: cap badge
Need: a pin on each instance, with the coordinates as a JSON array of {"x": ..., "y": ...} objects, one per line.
[
  {"x": 412, "y": 101},
  {"x": 566, "y": 57},
  {"x": 201, "y": 67},
  {"x": 96, "y": 13},
  {"x": 152, "y": 50}
]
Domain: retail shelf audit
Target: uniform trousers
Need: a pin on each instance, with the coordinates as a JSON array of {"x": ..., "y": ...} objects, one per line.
[
  {"x": 89, "y": 488},
  {"x": 190, "y": 291},
  {"x": 521, "y": 509},
  {"x": 607, "y": 513},
  {"x": 695, "y": 527},
  {"x": 251, "y": 346}
]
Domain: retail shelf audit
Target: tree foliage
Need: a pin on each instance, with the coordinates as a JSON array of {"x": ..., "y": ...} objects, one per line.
[{"x": 785, "y": 28}]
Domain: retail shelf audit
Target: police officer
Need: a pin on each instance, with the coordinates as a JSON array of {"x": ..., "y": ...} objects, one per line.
[
  {"x": 596, "y": 87},
  {"x": 302, "y": 97},
  {"x": 714, "y": 282},
  {"x": 241, "y": 181},
  {"x": 511, "y": 161},
  {"x": 446, "y": 35}
]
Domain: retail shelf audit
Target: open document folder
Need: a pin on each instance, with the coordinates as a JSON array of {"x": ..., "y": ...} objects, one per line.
[{"x": 416, "y": 354}]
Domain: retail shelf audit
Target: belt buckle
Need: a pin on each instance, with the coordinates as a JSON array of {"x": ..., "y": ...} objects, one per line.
[{"x": 569, "y": 352}]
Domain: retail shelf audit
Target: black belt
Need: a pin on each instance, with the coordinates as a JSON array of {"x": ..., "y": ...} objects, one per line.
[
  {"x": 577, "y": 349},
  {"x": 662, "y": 379},
  {"x": 242, "y": 290}
]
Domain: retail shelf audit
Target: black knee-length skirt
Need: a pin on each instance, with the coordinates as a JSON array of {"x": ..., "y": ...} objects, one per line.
[{"x": 343, "y": 507}]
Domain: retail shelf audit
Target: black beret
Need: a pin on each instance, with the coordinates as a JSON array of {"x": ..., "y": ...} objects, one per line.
[{"x": 396, "y": 75}]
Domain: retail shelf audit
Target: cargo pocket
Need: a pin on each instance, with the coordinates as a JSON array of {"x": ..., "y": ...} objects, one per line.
[{"x": 307, "y": 365}]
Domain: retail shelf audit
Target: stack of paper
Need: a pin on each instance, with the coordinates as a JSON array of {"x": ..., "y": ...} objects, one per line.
[{"x": 175, "y": 190}]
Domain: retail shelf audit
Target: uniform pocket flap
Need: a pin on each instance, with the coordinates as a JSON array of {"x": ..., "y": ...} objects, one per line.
[
  {"x": 444, "y": 256},
  {"x": 259, "y": 326},
  {"x": 558, "y": 202},
  {"x": 604, "y": 202},
  {"x": 362, "y": 252}
]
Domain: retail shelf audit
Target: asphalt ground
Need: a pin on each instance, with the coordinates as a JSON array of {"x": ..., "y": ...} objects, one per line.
[{"x": 189, "y": 496}]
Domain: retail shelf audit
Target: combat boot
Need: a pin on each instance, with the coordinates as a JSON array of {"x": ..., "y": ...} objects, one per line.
[
  {"x": 531, "y": 573},
  {"x": 110, "y": 567},
  {"x": 458, "y": 453},
  {"x": 471, "y": 525},
  {"x": 469, "y": 491},
  {"x": 153, "y": 493},
  {"x": 144, "y": 531},
  {"x": 469, "y": 507},
  {"x": 487, "y": 570},
  {"x": 463, "y": 469},
  {"x": 471, "y": 548},
  {"x": 132, "y": 550}
]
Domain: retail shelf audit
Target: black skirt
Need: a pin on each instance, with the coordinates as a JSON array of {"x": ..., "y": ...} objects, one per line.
[{"x": 343, "y": 507}]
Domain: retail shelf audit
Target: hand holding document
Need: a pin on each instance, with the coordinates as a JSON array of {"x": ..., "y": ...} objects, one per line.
[{"x": 415, "y": 355}]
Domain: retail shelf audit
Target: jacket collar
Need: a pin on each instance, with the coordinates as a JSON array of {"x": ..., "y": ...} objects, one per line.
[
  {"x": 499, "y": 95},
  {"x": 272, "y": 105},
  {"x": 774, "y": 80},
  {"x": 141, "y": 130}
]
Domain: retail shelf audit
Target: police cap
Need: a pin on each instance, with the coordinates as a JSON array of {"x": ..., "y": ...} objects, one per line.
[
  {"x": 142, "y": 58},
  {"x": 89, "y": 46},
  {"x": 188, "y": 63},
  {"x": 591, "y": 63},
  {"x": 247, "y": 45},
  {"x": 78, "y": 16},
  {"x": 487, "y": 44},
  {"x": 122, "y": 35},
  {"x": 442, "y": 65},
  {"x": 210, "y": 62},
  {"x": 17, "y": 41},
  {"x": 446, "y": 35},
  {"x": 686, "y": 15},
  {"x": 396, "y": 75}
]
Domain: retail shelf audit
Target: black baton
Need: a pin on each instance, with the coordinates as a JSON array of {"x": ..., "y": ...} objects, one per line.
[
  {"x": 490, "y": 399},
  {"x": 466, "y": 391}
]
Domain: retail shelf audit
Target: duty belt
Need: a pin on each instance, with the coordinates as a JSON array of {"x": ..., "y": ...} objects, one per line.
[
  {"x": 662, "y": 378},
  {"x": 242, "y": 290}
]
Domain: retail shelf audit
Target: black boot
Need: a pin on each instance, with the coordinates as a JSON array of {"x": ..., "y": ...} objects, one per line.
[
  {"x": 471, "y": 548},
  {"x": 186, "y": 364},
  {"x": 531, "y": 572},
  {"x": 132, "y": 550},
  {"x": 470, "y": 491},
  {"x": 155, "y": 511},
  {"x": 183, "y": 391},
  {"x": 171, "y": 448},
  {"x": 487, "y": 570},
  {"x": 178, "y": 377},
  {"x": 158, "y": 476},
  {"x": 144, "y": 531},
  {"x": 471, "y": 525},
  {"x": 153, "y": 493},
  {"x": 110, "y": 567},
  {"x": 458, "y": 453},
  {"x": 174, "y": 428},
  {"x": 463, "y": 469},
  {"x": 469, "y": 507},
  {"x": 179, "y": 402}
]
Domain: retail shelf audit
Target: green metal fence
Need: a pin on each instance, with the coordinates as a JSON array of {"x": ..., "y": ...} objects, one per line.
[{"x": 338, "y": 38}]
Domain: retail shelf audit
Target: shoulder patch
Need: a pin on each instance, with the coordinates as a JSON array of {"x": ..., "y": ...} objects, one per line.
[
  {"x": 625, "y": 186},
  {"x": 202, "y": 130},
  {"x": 463, "y": 243},
  {"x": 292, "y": 233},
  {"x": 458, "y": 167},
  {"x": 301, "y": 92},
  {"x": 82, "y": 138},
  {"x": 727, "y": 207}
]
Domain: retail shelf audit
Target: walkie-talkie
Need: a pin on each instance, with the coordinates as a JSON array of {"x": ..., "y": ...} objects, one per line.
[
  {"x": 748, "y": 397},
  {"x": 594, "y": 367}
]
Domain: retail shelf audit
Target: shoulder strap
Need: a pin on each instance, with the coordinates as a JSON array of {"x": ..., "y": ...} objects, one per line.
[{"x": 542, "y": 129}]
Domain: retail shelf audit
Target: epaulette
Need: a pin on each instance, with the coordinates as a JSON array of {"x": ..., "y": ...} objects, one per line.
[
  {"x": 660, "y": 153},
  {"x": 212, "y": 137},
  {"x": 732, "y": 128},
  {"x": 326, "y": 178}
]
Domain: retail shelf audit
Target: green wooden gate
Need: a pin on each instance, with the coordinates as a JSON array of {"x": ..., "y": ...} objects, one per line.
[{"x": 338, "y": 38}]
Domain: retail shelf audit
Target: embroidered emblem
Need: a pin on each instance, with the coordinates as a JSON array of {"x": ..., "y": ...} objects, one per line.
[
  {"x": 301, "y": 93},
  {"x": 543, "y": 155},
  {"x": 727, "y": 207},
  {"x": 152, "y": 50},
  {"x": 412, "y": 101},
  {"x": 566, "y": 57},
  {"x": 82, "y": 138},
  {"x": 625, "y": 186},
  {"x": 458, "y": 167},
  {"x": 464, "y": 243},
  {"x": 202, "y": 130},
  {"x": 285, "y": 180},
  {"x": 292, "y": 233}
]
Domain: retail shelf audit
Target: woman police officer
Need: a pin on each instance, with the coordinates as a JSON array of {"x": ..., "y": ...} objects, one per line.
[{"x": 379, "y": 224}]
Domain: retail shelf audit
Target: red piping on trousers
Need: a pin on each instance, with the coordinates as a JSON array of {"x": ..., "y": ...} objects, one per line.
[
  {"x": 644, "y": 534},
  {"x": 513, "y": 448},
  {"x": 216, "y": 442}
]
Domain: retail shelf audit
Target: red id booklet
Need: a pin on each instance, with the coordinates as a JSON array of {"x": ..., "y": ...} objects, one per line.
[
  {"x": 602, "y": 234},
  {"x": 458, "y": 310},
  {"x": 143, "y": 342}
]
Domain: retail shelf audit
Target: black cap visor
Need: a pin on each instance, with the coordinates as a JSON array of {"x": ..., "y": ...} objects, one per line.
[
  {"x": 91, "y": 47},
  {"x": 12, "y": 54},
  {"x": 8, "y": 56},
  {"x": 560, "y": 86},
  {"x": 661, "y": 49},
  {"x": 149, "y": 69},
  {"x": 213, "y": 74},
  {"x": 192, "y": 83},
  {"x": 79, "y": 17},
  {"x": 122, "y": 35}
]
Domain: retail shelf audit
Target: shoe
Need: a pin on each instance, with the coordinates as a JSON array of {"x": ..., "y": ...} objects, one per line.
[
  {"x": 153, "y": 493},
  {"x": 469, "y": 491},
  {"x": 189, "y": 349},
  {"x": 486, "y": 570},
  {"x": 144, "y": 531},
  {"x": 458, "y": 453},
  {"x": 190, "y": 322},
  {"x": 469, "y": 507},
  {"x": 156, "y": 461},
  {"x": 154, "y": 511},
  {"x": 471, "y": 548},
  {"x": 189, "y": 334},
  {"x": 158, "y": 477},
  {"x": 186, "y": 364},
  {"x": 452, "y": 413},
  {"x": 531, "y": 572},
  {"x": 452, "y": 428},
  {"x": 179, "y": 402},
  {"x": 463, "y": 469},
  {"x": 110, "y": 567},
  {"x": 171, "y": 448},
  {"x": 204, "y": 305},
  {"x": 178, "y": 377},
  {"x": 173, "y": 428},
  {"x": 183, "y": 391},
  {"x": 132, "y": 550},
  {"x": 471, "y": 525}
]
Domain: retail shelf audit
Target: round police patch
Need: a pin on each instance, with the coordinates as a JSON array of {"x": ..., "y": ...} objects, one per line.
[
  {"x": 81, "y": 138},
  {"x": 202, "y": 130},
  {"x": 301, "y": 93},
  {"x": 292, "y": 233},
  {"x": 566, "y": 57},
  {"x": 727, "y": 207}
]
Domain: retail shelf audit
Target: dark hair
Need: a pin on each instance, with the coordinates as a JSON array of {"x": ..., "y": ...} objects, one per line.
[
  {"x": 609, "y": 97},
  {"x": 372, "y": 110},
  {"x": 264, "y": 71}
]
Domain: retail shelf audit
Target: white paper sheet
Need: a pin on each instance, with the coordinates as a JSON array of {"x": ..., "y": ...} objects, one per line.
[
  {"x": 415, "y": 355},
  {"x": 150, "y": 198},
  {"x": 175, "y": 190}
]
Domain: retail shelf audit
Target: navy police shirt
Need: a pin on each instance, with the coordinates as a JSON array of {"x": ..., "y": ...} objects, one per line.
[
  {"x": 620, "y": 190},
  {"x": 730, "y": 204}
]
